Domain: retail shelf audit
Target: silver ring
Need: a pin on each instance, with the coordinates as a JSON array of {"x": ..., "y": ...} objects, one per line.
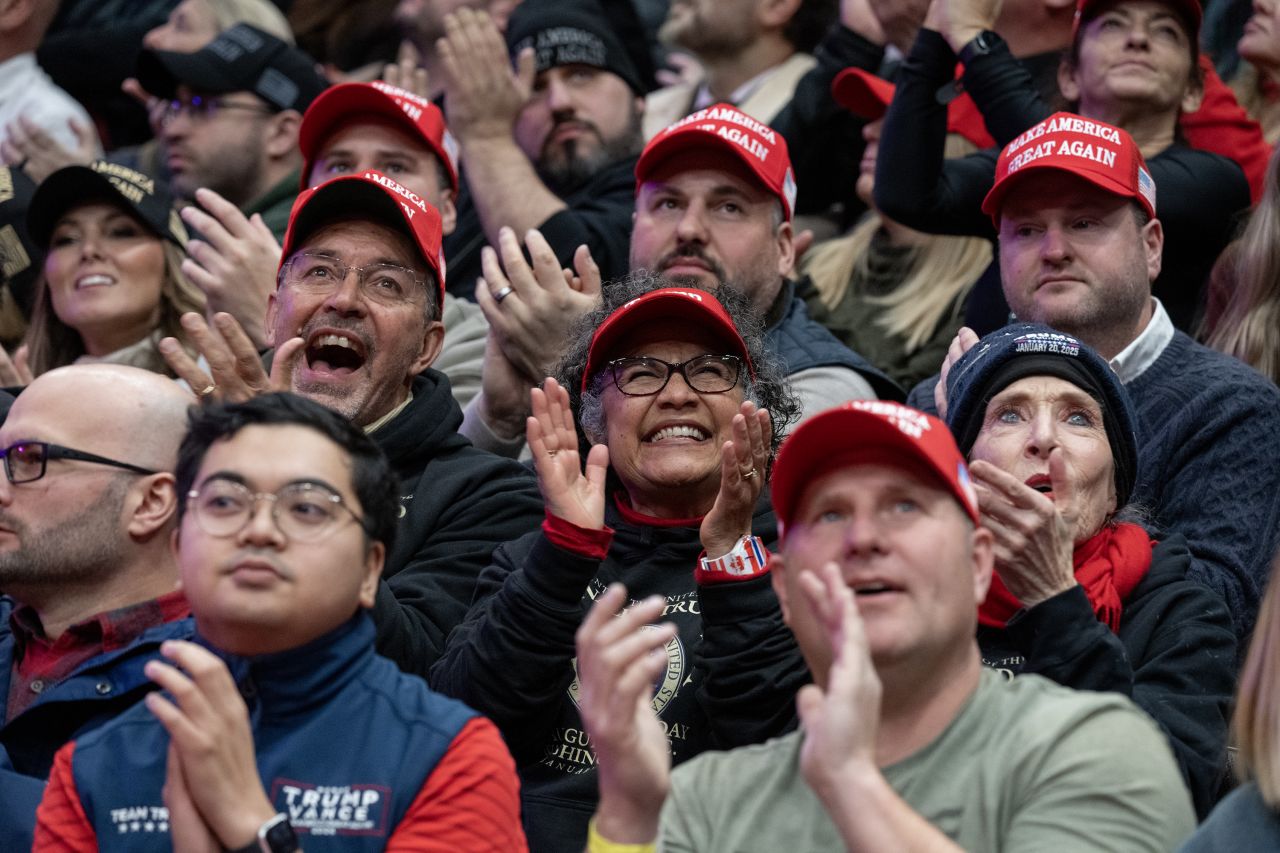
[
  {"x": 206, "y": 392},
  {"x": 747, "y": 475},
  {"x": 502, "y": 294}
]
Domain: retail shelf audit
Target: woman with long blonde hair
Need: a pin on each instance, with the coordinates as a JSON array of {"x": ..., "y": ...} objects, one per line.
[{"x": 1243, "y": 313}]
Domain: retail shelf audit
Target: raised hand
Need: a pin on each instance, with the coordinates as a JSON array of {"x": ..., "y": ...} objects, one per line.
[
  {"x": 15, "y": 371},
  {"x": 482, "y": 94},
  {"x": 405, "y": 72},
  {"x": 1033, "y": 541},
  {"x": 40, "y": 153},
  {"x": 743, "y": 461},
  {"x": 571, "y": 494},
  {"x": 960, "y": 344},
  {"x": 212, "y": 743},
  {"x": 188, "y": 833},
  {"x": 235, "y": 368},
  {"x": 618, "y": 660}
]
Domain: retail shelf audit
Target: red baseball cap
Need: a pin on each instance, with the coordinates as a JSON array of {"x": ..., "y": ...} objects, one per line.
[
  {"x": 1104, "y": 155},
  {"x": 868, "y": 432},
  {"x": 725, "y": 128},
  {"x": 868, "y": 96},
  {"x": 369, "y": 195},
  {"x": 1189, "y": 10},
  {"x": 347, "y": 103},
  {"x": 659, "y": 307}
]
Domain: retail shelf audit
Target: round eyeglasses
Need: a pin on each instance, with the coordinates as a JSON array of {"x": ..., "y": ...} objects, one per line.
[
  {"x": 643, "y": 376},
  {"x": 303, "y": 512}
]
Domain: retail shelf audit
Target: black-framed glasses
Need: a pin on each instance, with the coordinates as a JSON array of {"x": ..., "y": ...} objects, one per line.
[
  {"x": 707, "y": 374},
  {"x": 26, "y": 461},
  {"x": 390, "y": 284},
  {"x": 201, "y": 108},
  {"x": 303, "y": 512}
]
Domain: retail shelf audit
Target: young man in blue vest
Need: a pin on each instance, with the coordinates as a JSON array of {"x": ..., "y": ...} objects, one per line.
[{"x": 281, "y": 723}]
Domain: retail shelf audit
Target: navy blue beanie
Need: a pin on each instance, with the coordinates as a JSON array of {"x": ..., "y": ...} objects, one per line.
[{"x": 1031, "y": 349}]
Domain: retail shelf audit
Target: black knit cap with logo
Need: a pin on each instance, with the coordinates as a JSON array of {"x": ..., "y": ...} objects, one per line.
[
  {"x": 141, "y": 195},
  {"x": 243, "y": 58},
  {"x": 577, "y": 32}
]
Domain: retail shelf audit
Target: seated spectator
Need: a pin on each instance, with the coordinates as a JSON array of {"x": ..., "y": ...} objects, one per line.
[
  {"x": 550, "y": 144},
  {"x": 1255, "y": 81},
  {"x": 113, "y": 284},
  {"x": 907, "y": 741},
  {"x": 894, "y": 294},
  {"x": 1243, "y": 309},
  {"x": 1133, "y": 64},
  {"x": 1205, "y": 422},
  {"x": 682, "y": 407},
  {"x": 283, "y": 710},
  {"x": 713, "y": 204},
  {"x": 1249, "y": 818},
  {"x": 90, "y": 585},
  {"x": 1080, "y": 596},
  {"x": 26, "y": 90},
  {"x": 231, "y": 121},
  {"x": 355, "y": 319}
]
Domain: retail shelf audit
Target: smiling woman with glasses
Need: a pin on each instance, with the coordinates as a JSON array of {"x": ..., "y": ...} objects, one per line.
[{"x": 681, "y": 408}]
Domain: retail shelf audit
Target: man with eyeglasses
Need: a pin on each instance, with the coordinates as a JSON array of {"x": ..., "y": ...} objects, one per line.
[
  {"x": 355, "y": 322},
  {"x": 229, "y": 117},
  {"x": 90, "y": 588},
  {"x": 283, "y": 723}
]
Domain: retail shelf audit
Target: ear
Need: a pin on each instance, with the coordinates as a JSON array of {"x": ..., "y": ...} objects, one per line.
[
  {"x": 1194, "y": 95},
  {"x": 152, "y": 503},
  {"x": 432, "y": 341},
  {"x": 1153, "y": 242},
  {"x": 374, "y": 558},
  {"x": 14, "y": 14},
  {"x": 448, "y": 212},
  {"x": 281, "y": 139},
  {"x": 786, "y": 240},
  {"x": 778, "y": 570},
  {"x": 776, "y": 14},
  {"x": 273, "y": 310},
  {"x": 1067, "y": 83},
  {"x": 984, "y": 561}
]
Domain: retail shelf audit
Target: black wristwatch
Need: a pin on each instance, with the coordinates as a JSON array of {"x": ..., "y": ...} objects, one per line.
[
  {"x": 980, "y": 45},
  {"x": 274, "y": 836}
]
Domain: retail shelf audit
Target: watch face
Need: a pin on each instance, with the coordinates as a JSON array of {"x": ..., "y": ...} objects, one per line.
[{"x": 281, "y": 838}]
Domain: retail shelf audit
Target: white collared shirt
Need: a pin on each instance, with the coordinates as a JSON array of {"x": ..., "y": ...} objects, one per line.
[{"x": 1142, "y": 352}]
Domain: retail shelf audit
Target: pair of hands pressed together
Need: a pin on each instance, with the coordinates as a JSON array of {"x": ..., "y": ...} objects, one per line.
[{"x": 212, "y": 789}]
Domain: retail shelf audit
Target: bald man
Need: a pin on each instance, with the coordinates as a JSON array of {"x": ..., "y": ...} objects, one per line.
[{"x": 90, "y": 590}]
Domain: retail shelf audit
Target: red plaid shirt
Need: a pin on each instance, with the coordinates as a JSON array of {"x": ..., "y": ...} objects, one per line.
[{"x": 40, "y": 663}]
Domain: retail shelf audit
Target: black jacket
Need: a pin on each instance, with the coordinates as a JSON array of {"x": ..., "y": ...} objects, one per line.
[
  {"x": 731, "y": 679},
  {"x": 459, "y": 503},
  {"x": 1175, "y": 656},
  {"x": 598, "y": 214},
  {"x": 1199, "y": 195}
]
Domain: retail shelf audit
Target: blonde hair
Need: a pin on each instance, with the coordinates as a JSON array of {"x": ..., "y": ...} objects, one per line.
[
  {"x": 52, "y": 343},
  {"x": 1248, "y": 281},
  {"x": 1247, "y": 86},
  {"x": 262, "y": 14},
  {"x": 1255, "y": 726},
  {"x": 941, "y": 270}
]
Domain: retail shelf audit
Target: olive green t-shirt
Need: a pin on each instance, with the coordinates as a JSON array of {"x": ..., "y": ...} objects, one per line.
[{"x": 1026, "y": 765}]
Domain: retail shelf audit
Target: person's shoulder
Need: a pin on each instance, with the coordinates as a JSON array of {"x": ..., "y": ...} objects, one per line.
[
  {"x": 745, "y": 766},
  {"x": 408, "y": 700},
  {"x": 1242, "y": 821},
  {"x": 1038, "y": 712},
  {"x": 1190, "y": 359}
]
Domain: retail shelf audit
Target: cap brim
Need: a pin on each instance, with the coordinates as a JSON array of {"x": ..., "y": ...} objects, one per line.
[
  {"x": 658, "y": 154},
  {"x": 862, "y": 93},
  {"x": 160, "y": 72},
  {"x": 67, "y": 188},
  {"x": 994, "y": 199},
  {"x": 658, "y": 309},
  {"x": 337, "y": 199}
]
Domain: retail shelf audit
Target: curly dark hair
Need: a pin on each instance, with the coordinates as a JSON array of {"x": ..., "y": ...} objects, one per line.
[
  {"x": 810, "y": 23},
  {"x": 768, "y": 390}
]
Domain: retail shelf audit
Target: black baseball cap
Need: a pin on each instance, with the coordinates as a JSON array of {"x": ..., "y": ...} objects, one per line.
[
  {"x": 142, "y": 195},
  {"x": 243, "y": 58}
]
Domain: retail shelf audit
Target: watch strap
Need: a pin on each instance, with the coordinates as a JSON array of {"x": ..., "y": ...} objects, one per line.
[
  {"x": 747, "y": 559},
  {"x": 980, "y": 45}
]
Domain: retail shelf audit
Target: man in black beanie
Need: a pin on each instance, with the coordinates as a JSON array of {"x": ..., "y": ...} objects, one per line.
[{"x": 551, "y": 144}]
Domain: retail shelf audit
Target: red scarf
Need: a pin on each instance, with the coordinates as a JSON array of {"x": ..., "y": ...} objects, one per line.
[{"x": 1108, "y": 566}]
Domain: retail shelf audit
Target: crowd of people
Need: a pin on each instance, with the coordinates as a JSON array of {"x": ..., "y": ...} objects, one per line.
[{"x": 636, "y": 425}]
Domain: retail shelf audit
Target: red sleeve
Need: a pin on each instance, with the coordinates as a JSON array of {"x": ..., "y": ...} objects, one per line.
[
  {"x": 577, "y": 540},
  {"x": 1222, "y": 126},
  {"x": 470, "y": 802},
  {"x": 61, "y": 824}
]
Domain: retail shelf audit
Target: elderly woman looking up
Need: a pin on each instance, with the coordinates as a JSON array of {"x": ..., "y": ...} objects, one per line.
[
  {"x": 684, "y": 409},
  {"x": 1082, "y": 597}
]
